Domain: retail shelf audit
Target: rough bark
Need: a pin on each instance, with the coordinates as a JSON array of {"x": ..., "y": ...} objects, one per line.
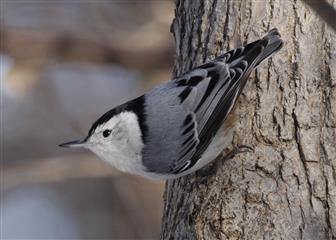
[{"x": 286, "y": 189}]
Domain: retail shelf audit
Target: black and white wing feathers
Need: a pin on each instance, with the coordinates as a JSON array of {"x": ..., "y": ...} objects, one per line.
[{"x": 194, "y": 106}]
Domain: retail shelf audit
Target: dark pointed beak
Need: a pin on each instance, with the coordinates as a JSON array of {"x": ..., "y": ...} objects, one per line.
[{"x": 74, "y": 144}]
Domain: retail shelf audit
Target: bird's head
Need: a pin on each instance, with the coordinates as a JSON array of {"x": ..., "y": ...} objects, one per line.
[{"x": 115, "y": 137}]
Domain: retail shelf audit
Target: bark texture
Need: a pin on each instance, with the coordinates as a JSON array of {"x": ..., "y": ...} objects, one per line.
[{"x": 286, "y": 189}]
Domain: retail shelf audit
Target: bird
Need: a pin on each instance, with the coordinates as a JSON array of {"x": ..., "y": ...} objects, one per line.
[{"x": 183, "y": 124}]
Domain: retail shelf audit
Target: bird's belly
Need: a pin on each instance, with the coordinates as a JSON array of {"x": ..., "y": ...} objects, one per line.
[{"x": 222, "y": 140}]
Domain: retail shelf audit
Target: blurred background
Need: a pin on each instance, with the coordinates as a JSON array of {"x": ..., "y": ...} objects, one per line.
[{"x": 63, "y": 64}]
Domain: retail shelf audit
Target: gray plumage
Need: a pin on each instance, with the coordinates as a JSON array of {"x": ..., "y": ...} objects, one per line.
[
  {"x": 211, "y": 91},
  {"x": 176, "y": 128}
]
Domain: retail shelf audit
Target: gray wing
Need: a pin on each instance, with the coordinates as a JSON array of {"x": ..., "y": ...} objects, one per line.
[
  {"x": 178, "y": 113},
  {"x": 184, "y": 114}
]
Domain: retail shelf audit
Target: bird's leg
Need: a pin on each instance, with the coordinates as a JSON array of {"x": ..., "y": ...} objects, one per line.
[{"x": 211, "y": 169}]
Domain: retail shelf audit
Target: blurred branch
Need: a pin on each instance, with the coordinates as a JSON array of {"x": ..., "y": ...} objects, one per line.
[
  {"x": 119, "y": 32},
  {"x": 326, "y": 11},
  {"x": 69, "y": 47},
  {"x": 65, "y": 168},
  {"x": 55, "y": 170}
]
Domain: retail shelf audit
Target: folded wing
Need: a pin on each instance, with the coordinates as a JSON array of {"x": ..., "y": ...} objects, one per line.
[{"x": 194, "y": 106}]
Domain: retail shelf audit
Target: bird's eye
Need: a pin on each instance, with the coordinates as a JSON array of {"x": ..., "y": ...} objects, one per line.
[{"x": 106, "y": 133}]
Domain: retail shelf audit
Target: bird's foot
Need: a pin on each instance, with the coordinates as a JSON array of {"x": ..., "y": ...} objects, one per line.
[
  {"x": 212, "y": 168},
  {"x": 238, "y": 149}
]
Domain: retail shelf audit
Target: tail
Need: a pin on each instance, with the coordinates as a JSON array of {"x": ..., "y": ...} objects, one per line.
[
  {"x": 273, "y": 44},
  {"x": 256, "y": 52},
  {"x": 244, "y": 59}
]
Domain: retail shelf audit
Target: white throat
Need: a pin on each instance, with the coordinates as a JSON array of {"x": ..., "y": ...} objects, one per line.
[{"x": 124, "y": 147}]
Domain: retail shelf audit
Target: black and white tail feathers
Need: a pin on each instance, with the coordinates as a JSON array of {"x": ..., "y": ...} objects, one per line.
[
  {"x": 243, "y": 60},
  {"x": 256, "y": 52},
  {"x": 274, "y": 44}
]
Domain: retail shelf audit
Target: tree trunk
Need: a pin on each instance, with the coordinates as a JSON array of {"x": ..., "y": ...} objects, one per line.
[{"x": 286, "y": 189}]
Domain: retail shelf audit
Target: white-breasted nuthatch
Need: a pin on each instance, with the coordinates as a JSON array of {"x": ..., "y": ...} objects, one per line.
[{"x": 181, "y": 125}]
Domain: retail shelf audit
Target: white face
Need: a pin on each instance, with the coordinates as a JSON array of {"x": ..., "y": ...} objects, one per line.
[{"x": 119, "y": 142}]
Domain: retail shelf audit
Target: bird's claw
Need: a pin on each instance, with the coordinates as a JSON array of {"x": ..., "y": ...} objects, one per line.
[
  {"x": 243, "y": 149},
  {"x": 238, "y": 149},
  {"x": 212, "y": 168}
]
